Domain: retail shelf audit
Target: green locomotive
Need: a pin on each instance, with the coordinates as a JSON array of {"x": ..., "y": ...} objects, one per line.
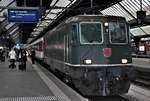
[{"x": 93, "y": 52}]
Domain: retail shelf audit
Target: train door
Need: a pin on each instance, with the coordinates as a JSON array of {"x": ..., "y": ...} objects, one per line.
[{"x": 66, "y": 47}]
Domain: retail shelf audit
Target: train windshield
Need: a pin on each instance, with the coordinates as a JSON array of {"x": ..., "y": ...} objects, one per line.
[
  {"x": 90, "y": 33},
  {"x": 117, "y": 32}
]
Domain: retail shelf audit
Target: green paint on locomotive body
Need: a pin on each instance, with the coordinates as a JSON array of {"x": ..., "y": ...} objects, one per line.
[
  {"x": 104, "y": 40},
  {"x": 65, "y": 46}
]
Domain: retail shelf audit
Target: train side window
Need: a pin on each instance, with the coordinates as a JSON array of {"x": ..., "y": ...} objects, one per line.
[{"x": 74, "y": 33}]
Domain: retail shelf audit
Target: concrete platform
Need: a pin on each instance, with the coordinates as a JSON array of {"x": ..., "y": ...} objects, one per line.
[
  {"x": 34, "y": 84},
  {"x": 142, "y": 64},
  {"x": 14, "y": 82}
]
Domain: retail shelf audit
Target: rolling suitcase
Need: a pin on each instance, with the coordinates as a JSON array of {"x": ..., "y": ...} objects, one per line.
[
  {"x": 3, "y": 58},
  {"x": 22, "y": 66}
]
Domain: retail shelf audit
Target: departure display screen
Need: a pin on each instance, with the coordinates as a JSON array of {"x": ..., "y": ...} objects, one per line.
[{"x": 23, "y": 15}]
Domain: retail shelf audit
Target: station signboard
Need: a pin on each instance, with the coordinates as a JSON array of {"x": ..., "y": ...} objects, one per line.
[{"x": 23, "y": 15}]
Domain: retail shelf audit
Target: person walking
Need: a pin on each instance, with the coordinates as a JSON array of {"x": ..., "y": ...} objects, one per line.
[
  {"x": 22, "y": 59},
  {"x": 1, "y": 55},
  {"x": 33, "y": 56},
  {"x": 12, "y": 55}
]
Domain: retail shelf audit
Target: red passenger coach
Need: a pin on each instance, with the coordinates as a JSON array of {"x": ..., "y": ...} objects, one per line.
[
  {"x": 38, "y": 45},
  {"x": 39, "y": 48},
  {"x": 147, "y": 48}
]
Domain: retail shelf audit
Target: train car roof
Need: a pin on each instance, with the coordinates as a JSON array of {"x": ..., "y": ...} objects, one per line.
[
  {"x": 80, "y": 18},
  {"x": 95, "y": 17},
  {"x": 35, "y": 42}
]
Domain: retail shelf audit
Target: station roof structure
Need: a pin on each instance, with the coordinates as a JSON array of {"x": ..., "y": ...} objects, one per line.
[
  {"x": 128, "y": 9},
  {"x": 58, "y": 10}
]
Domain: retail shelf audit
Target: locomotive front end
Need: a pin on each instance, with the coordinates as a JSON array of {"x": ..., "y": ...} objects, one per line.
[{"x": 102, "y": 62}]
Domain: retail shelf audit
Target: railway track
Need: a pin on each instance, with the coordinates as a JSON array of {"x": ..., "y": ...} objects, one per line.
[
  {"x": 138, "y": 93},
  {"x": 110, "y": 98},
  {"x": 130, "y": 97},
  {"x": 140, "y": 56},
  {"x": 143, "y": 83},
  {"x": 142, "y": 79}
]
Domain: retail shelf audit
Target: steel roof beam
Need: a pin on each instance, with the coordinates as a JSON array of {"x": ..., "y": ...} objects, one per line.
[{"x": 131, "y": 15}]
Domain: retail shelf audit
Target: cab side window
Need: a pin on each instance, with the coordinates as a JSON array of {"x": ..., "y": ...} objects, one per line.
[{"x": 74, "y": 31}]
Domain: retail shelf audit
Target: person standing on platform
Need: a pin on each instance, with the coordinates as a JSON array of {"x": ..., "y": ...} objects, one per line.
[
  {"x": 33, "y": 56},
  {"x": 24, "y": 58},
  {"x": 1, "y": 54},
  {"x": 12, "y": 55}
]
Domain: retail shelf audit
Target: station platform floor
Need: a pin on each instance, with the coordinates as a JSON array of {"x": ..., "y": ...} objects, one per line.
[
  {"x": 142, "y": 64},
  {"x": 34, "y": 84}
]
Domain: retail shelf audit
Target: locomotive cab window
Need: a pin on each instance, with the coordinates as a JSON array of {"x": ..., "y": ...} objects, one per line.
[
  {"x": 74, "y": 33},
  {"x": 90, "y": 33},
  {"x": 118, "y": 32}
]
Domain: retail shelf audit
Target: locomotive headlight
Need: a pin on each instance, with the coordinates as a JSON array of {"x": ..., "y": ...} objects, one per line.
[
  {"x": 87, "y": 61},
  {"x": 106, "y": 24},
  {"x": 124, "y": 61}
]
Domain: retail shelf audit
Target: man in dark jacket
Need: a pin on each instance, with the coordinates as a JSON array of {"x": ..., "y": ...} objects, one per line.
[
  {"x": 33, "y": 56},
  {"x": 22, "y": 59},
  {"x": 2, "y": 57}
]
